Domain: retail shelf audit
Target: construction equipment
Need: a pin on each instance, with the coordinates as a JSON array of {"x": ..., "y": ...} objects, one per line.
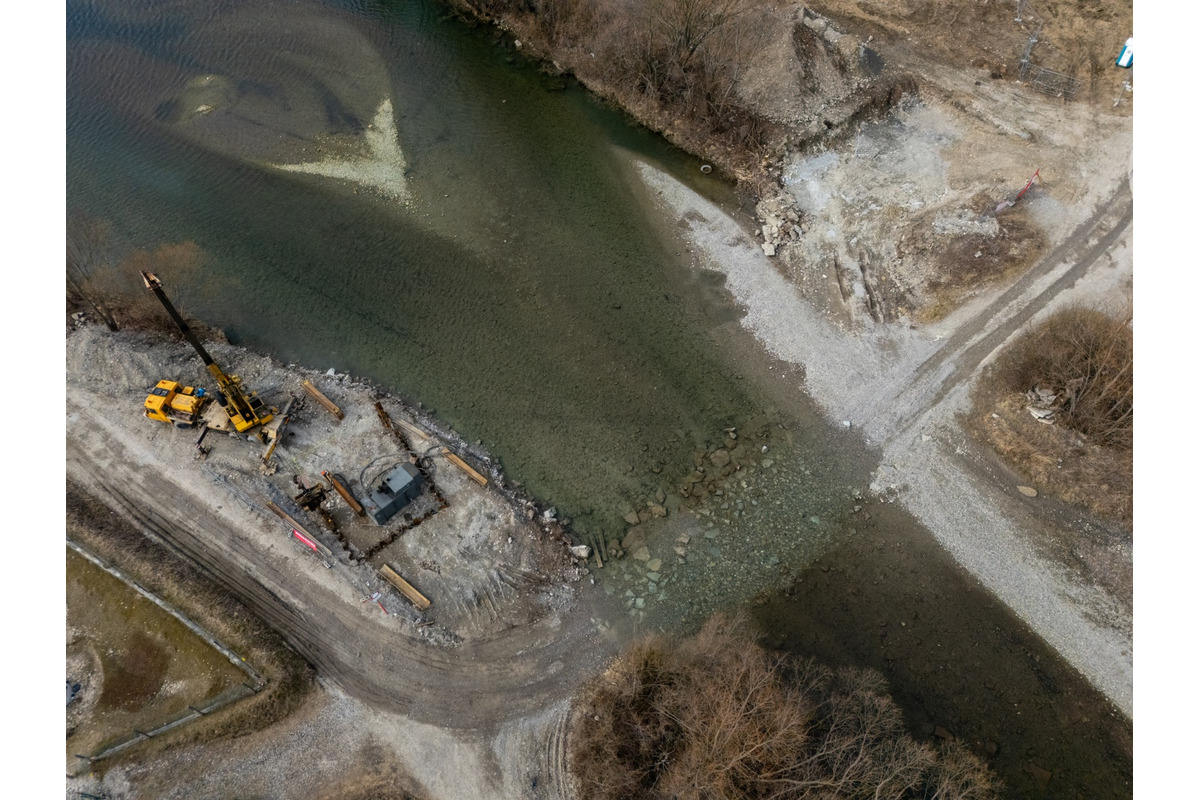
[
  {"x": 272, "y": 433},
  {"x": 397, "y": 489},
  {"x": 243, "y": 407},
  {"x": 174, "y": 403}
]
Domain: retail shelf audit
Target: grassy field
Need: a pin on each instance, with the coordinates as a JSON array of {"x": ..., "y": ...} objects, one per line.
[{"x": 136, "y": 664}]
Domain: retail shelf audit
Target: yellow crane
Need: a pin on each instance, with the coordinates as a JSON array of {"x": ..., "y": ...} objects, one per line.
[{"x": 171, "y": 402}]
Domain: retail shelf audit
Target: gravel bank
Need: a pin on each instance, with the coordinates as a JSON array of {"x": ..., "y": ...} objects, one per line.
[{"x": 872, "y": 381}]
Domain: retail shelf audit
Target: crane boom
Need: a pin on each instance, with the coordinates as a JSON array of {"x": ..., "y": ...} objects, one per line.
[{"x": 243, "y": 406}]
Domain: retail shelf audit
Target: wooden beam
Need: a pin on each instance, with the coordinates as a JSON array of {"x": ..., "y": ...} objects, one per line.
[
  {"x": 329, "y": 405},
  {"x": 464, "y": 466},
  {"x": 413, "y": 429},
  {"x": 416, "y": 598},
  {"x": 346, "y": 494}
]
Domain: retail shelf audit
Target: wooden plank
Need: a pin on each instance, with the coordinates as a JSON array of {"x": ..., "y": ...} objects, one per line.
[
  {"x": 330, "y": 406},
  {"x": 346, "y": 494},
  {"x": 416, "y": 598},
  {"x": 413, "y": 429},
  {"x": 464, "y": 466}
]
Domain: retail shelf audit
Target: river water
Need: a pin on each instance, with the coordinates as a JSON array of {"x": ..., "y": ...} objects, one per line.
[{"x": 497, "y": 261}]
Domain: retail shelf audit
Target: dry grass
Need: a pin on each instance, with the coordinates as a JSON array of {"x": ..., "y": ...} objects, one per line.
[
  {"x": 717, "y": 716},
  {"x": 1085, "y": 358},
  {"x": 1078, "y": 37},
  {"x": 1054, "y": 459},
  {"x": 289, "y": 677},
  {"x": 966, "y": 264}
]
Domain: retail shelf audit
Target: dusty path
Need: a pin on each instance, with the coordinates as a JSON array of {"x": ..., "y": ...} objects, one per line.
[{"x": 974, "y": 341}]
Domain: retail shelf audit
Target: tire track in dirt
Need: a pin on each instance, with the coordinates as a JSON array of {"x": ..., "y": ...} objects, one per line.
[
  {"x": 475, "y": 685},
  {"x": 966, "y": 349}
]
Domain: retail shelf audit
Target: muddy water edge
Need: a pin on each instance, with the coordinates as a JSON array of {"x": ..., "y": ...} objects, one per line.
[{"x": 527, "y": 298}]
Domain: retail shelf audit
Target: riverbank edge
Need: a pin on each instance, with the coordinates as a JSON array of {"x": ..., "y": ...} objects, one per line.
[
  {"x": 525, "y": 505},
  {"x": 756, "y": 171}
]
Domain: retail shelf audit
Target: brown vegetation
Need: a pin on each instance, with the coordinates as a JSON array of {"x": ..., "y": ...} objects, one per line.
[
  {"x": 90, "y": 257},
  {"x": 962, "y": 265},
  {"x": 1083, "y": 359},
  {"x": 103, "y": 275},
  {"x": 680, "y": 67},
  {"x": 717, "y": 716},
  {"x": 1080, "y": 38}
]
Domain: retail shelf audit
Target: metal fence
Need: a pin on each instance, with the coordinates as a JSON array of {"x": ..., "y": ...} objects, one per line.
[
  {"x": 193, "y": 712},
  {"x": 252, "y": 685},
  {"x": 1049, "y": 82}
]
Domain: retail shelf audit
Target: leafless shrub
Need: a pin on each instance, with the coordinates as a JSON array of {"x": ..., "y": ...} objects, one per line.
[
  {"x": 717, "y": 716},
  {"x": 667, "y": 60},
  {"x": 1085, "y": 357},
  {"x": 90, "y": 259},
  {"x": 689, "y": 55},
  {"x": 103, "y": 275}
]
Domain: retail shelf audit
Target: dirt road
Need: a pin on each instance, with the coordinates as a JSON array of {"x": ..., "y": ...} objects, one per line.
[{"x": 978, "y": 338}]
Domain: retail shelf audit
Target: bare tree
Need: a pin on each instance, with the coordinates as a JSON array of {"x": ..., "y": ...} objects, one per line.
[
  {"x": 90, "y": 256},
  {"x": 717, "y": 716}
]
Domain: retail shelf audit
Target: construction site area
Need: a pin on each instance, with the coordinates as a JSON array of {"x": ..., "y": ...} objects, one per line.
[{"x": 457, "y": 566}]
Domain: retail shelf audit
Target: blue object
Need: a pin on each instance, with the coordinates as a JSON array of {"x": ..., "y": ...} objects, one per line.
[{"x": 1126, "y": 58}]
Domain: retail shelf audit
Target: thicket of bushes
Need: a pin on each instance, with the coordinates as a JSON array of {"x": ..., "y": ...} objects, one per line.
[
  {"x": 668, "y": 60},
  {"x": 1085, "y": 357},
  {"x": 104, "y": 276},
  {"x": 717, "y": 716}
]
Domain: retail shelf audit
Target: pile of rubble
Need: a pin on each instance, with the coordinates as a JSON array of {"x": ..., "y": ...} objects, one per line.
[
  {"x": 1043, "y": 404},
  {"x": 780, "y": 222}
]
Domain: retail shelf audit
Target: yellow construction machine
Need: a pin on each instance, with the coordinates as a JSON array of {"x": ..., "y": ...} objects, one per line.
[{"x": 171, "y": 402}]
